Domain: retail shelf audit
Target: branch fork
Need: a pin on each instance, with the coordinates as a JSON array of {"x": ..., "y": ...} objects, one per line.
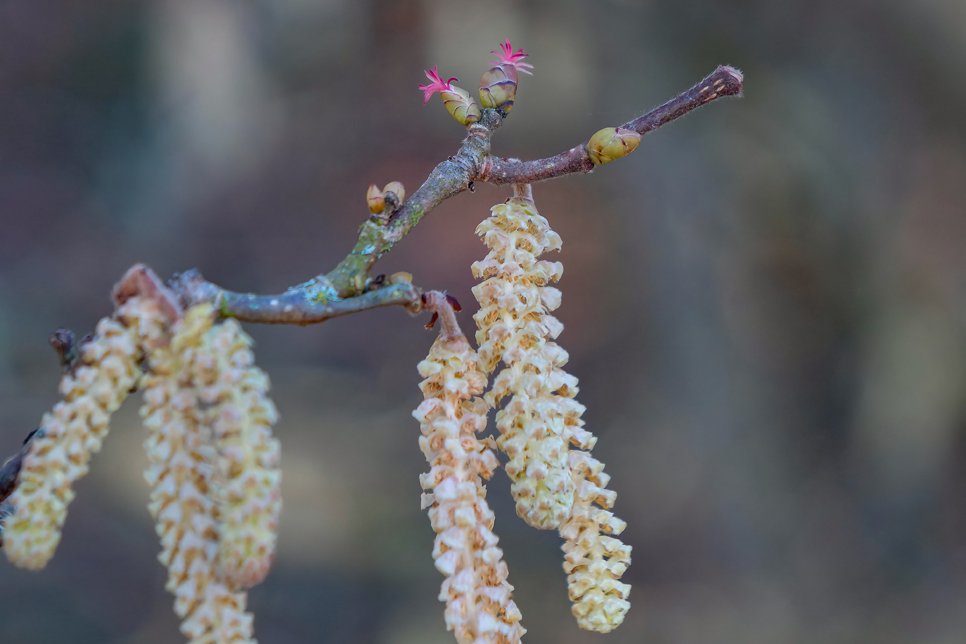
[{"x": 348, "y": 288}]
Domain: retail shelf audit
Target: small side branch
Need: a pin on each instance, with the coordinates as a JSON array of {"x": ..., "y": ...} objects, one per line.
[
  {"x": 301, "y": 305},
  {"x": 725, "y": 81}
]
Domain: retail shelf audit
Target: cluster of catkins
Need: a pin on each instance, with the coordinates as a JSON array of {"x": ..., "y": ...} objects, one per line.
[
  {"x": 213, "y": 463},
  {"x": 556, "y": 483}
]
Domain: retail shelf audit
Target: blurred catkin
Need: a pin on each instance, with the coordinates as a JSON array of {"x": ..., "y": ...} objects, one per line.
[
  {"x": 183, "y": 463},
  {"x": 72, "y": 432},
  {"x": 247, "y": 482}
]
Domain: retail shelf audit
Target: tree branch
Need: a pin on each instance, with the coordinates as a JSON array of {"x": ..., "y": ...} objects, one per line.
[
  {"x": 349, "y": 289},
  {"x": 725, "y": 81},
  {"x": 295, "y": 306}
]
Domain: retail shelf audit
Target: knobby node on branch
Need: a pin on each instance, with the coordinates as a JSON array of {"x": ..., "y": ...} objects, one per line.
[{"x": 214, "y": 464}]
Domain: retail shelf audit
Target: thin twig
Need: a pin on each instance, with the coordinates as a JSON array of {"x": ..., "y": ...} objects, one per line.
[
  {"x": 442, "y": 307},
  {"x": 348, "y": 289},
  {"x": 725, "y": 81},
  {"x": 300, "y": 305}
]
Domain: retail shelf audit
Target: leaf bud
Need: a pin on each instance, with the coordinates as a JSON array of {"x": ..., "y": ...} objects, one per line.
[
  {"x": 612, "y": 143},
  {"x": 375, "y": 199},
  {"x": 397, "y": 189}
]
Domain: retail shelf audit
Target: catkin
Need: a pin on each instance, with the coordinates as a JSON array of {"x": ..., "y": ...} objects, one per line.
[
  {"x": 247, "y": 484},
  {"x": 71, "y": 433},
  {"x": 514, "y": 325},
  {"x": 479, "y": 607},
  {"x": 593, "y": 560},
  {"x": 182, "y": 465}
]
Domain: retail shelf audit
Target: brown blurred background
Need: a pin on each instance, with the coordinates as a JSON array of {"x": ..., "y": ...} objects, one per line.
[{"x": 765, "y": 305}]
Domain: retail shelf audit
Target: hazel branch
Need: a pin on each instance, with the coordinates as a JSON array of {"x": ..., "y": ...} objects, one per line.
[
  {"x": 295, "y": 306},
  {"x": 348, "y": 288},
  {"x": 725, "y": 81}
]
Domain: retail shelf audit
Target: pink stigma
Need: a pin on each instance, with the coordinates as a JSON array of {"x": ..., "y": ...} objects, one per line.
[
  {"x": 438, "y": 84},
  {"x": 507, "y": 57}
]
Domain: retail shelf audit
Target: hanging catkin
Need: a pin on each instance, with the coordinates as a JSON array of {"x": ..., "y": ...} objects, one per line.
[
  {"x": 515, "y": 326},
  {"x": 59, "y": 452},
  {"x": 479, "y": 607},
  {"x": 247, "y": 482},
  {"x": 183, "y": 461}
]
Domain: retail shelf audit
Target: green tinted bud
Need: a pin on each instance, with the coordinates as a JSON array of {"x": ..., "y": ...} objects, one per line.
[
  {"x": 612, "y": 143},
  {"x": 498, "y": 87},
  {"x": 459, "y": 103}
]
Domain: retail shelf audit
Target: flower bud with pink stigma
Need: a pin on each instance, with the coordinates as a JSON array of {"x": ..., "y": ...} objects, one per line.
[
  {"x": 498, "y": 87},
  {"x": 457, "y": 100}
]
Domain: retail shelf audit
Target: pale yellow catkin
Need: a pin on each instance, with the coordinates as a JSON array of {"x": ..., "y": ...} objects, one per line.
[
  {"x": 73, "y": 431},
  {"x": 182, "y": 464},
  {"x": 554, "y": 485},
  {"x": 247, "y": 485},
  {"x": 541, "y": 418},
  {"x": 479, "y": 607},
  {"x": 593, "y": 560}
]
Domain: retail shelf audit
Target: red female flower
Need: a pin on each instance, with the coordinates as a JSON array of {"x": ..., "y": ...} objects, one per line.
[
  {"x": 507, "y": 57},
  {"x": 498, "y": 87},
  {"x": 438, "y": 84},
  {"x": 456, "y": 100}
]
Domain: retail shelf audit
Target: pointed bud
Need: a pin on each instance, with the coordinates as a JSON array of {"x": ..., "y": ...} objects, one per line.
[
  {"x": 456, "y": 100},
  {"x": 612, "y": 143},
  {"x": 461, "y": 105},
  {"x": 377, "y": 202},
  {"x": 498, "y": 87},
  {"x": 397, "y": 189}
]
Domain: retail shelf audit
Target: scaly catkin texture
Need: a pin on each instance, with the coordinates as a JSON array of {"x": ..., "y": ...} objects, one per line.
[
  {"x": 247, "y": 485},
  {"x": 479, "y": 607},
  {"x": 182, "y": 464},
  {"x": 515, "y": 326},
  {"x": 69, "y": 434},
  {"x": 593, "y": 560}
]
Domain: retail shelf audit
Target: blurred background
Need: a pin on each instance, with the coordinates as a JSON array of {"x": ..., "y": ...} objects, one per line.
[{"x": 765, "y": 304}]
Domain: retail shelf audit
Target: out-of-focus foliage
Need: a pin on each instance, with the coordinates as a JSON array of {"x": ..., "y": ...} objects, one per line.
[{"x": 765, "y": 304}]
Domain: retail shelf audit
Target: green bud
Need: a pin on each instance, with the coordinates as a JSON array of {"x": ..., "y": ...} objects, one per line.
[
  {"x": 498, "y": 87},
  {"x": 612, "y": 143},
  {"x": 459, "y": 103}
]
